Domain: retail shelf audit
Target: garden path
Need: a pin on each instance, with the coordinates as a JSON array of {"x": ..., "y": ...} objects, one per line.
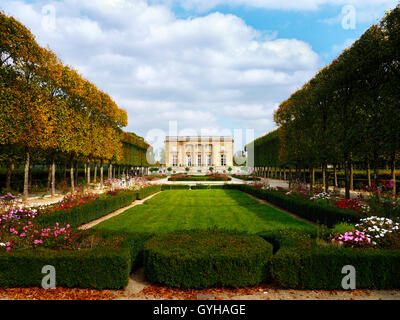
[{"x": 115, "y": 213}]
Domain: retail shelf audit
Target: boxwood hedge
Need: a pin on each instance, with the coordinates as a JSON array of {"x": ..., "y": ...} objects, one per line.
[
  {"x": 202, "y": 259},
  {"x": 312, "y": 211},
  {"x": 321, "y": 268},
  {"x": 103, "y": 267},
  {"x": 175, "y": 187},
  {"x": 146, "y": 192},
  {"x": 90, "y": 210},
  {"x": 200, "y": 178},
  {"x": 290, "y": 238}
]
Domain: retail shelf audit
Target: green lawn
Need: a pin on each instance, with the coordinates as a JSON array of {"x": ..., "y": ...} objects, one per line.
[{"x": 203, "y": 209}]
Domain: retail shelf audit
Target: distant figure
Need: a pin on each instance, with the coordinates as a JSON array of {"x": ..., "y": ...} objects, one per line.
[{"x": 123, "y": 178}]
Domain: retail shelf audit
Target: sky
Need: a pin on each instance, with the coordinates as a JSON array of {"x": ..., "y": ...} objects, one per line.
[{"x": 198, "y": 67}]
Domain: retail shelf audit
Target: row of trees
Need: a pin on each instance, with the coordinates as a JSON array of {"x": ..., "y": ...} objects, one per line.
[
  {"x": 50, "y": 114},
  {"x": 349, "y": 112}
]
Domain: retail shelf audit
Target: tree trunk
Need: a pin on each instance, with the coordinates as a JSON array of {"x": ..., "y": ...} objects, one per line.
[
  {"x": 85, "y": 175},
  {"x": 9, "y": 173},
  {"x": 375, "y": 172},
  {"x": 335, "y": 175},
  {"x": 95, "y": 173},
  {"x": 313, "y": 176},
  {"x": 49, "y": 178},
  {"x": 114, "y": 172},
  {"x": 72, "y": 177},
  {"x": 346, "y": 179},
  {"x": 351, "y": 176},
  {"x": 119, "y": 171},
  {"x": 324, "y": 176},
  {"x": 284, "y": 173},
  {"x": 88, "y": 173},
  {"x": 393, "y": 165},
  {"x": 101, "y": 175},
  {"x": 53, "y": 179},
  {"x": 30, "y": 177},
  {"x": 109, "y": 171},
  {"x": 26, "y": 177},
  {"x": 369, "y": 174}
]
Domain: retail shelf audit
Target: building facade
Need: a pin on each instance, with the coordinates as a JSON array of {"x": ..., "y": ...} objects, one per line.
[{"x": 199, "y": 153}]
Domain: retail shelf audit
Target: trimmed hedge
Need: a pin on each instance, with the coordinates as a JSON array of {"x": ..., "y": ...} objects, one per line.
[
  {"x": 203, "y": 259},
  {"x": 175, "y": 187},
  {"x": 201, "y": 187},
  {"x": 289, "y": 238},
  {"x": 103, "y": 267},
  {"x": 90, "y": 210},
  {"x": 146, "y": 192},
  {"x": 96, "y": 209},
  {"x": 199, "y": 179},
  {"x": 246, "y": 178},
  {"x": 312, "y": 211},
  {"x": 320, "y": 268}
]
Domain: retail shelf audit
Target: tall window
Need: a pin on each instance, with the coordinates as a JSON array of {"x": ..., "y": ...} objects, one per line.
[
  {"x": 209, "y": 160},
  {"x": 199, "y": 164},
  {"x": 174, "y": 161},
  {"x": 189, "y": 161},
  {"x": 223, "y": 160}
]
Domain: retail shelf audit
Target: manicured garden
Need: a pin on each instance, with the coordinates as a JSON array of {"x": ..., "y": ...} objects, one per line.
[
  {"x": 199, "y": 238},
  {"x": 201, "y": 210}
]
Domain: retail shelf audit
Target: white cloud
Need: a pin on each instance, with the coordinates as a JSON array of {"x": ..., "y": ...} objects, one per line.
[{"x": 212, "y": 72}]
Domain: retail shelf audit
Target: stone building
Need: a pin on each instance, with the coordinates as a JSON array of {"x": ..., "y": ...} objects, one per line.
[{"x": 199, "y": 153}]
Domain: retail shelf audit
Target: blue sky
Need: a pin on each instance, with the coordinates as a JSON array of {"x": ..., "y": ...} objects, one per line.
[
  {"x": 210, "y": 66},
  {"x": 327, "y": 38}
]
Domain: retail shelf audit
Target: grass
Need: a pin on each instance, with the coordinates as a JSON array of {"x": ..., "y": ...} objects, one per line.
[{"x": 201, "y": 210}]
